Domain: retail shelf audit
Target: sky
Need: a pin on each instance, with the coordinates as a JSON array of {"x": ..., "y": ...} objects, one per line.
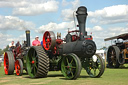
[{"x": 106, "y": 18}]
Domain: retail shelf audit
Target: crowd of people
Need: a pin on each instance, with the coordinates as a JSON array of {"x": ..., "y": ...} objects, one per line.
[{"x": 35, "y": 42}]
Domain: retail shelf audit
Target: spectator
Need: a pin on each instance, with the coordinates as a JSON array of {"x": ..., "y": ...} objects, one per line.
[
  {"x": 36, "y": 42},
  {"x": 11, "y": 45}
]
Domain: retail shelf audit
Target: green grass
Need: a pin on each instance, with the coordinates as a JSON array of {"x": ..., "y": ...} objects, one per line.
[{"x": 110, "y": 77}]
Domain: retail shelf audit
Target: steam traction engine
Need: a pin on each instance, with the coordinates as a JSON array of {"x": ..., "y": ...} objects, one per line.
[
  {"x": 16, "y": 59},
  {"x": 117, "y": 54},
  {"x": 70, "y": 57}
]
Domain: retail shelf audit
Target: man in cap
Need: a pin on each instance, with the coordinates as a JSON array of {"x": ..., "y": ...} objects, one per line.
[{"x": 36, "y": 42}]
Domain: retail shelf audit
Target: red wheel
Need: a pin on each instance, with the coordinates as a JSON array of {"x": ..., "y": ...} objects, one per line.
[
  {"x": 19, "y": 67},
  {"x": 49, "y": 40},
  {"x": 8, "y": 63}
]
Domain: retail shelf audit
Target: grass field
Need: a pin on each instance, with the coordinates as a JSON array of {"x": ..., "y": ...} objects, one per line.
[{"x": 110, "y": 77}]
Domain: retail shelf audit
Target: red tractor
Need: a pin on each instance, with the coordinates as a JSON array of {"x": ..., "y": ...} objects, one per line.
[
  {"x": 69, "y": 55},
  {"x": 16, "y": 58}
]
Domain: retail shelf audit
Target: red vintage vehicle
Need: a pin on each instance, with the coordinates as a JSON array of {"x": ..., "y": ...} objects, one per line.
[{"x": 15, "y": 59}]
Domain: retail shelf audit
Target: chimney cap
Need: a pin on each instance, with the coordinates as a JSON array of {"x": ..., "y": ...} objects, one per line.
[{"x": 81, "y": 10}]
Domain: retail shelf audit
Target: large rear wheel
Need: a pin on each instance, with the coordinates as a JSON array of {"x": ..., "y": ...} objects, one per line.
[
  {"x": 37, "y": 62},
  {"x": 71, "y": 66},
  {"x": 112, "y": 56},
  {"x": 8, "y": 63}
]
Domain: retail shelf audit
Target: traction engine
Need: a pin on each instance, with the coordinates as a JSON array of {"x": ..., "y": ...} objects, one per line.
[
  {"x": 69, "y": 55},
  {"x": 117, "y": 53},
  {"x": 16, "y": 59}
]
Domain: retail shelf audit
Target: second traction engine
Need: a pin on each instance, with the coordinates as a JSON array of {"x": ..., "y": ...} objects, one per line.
[
  {"x": 81, "y": 45},
  {"x": 69, "y": 55}
]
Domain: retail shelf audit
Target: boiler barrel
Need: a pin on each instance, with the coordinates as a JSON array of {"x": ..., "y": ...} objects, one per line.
[{"x": 86, "y": 48}]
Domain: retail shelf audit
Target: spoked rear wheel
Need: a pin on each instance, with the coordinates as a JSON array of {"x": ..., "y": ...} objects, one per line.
[
  {"x": 71, "y": 66},
  {"x": 112, "y": 56},
  {"x": 49, "y": 40},
  {"x": 37, "y": 62},
  {"x": 96, "y": 66},
  {"x": 8, "y": 63},
  {"x": 19, "y": 67}
]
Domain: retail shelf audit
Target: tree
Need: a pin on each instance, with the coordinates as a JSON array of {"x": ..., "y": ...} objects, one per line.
[
  {"x": 5, "y": 49},
  {"x": 1, "y": 52}
]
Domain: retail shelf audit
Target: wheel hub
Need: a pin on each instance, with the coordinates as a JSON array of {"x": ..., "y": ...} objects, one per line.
[
  {"x": 6, "y": 63},
  {"x": 17, "y": 67},
  {"x": 33, "y": 62},
  {"x": 112, "y": 57},
  {"x": 69, "y": 67}
]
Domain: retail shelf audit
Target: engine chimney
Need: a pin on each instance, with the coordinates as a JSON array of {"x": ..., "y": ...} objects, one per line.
[
  {"x": 81, "y": 17},
  {"x": 28, "y": 37}
]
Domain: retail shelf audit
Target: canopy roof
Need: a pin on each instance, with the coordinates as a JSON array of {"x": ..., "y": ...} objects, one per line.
[{"x": 122, "y": 36}]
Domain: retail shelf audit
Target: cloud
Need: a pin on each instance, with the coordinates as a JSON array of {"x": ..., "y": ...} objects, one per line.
[
  {"x": 14, "y": 23},
  {"x": 55, "y": 27},
  {"x": 4, "y": 38},
  {"x": 65, "y": 3},
  {"x": 105, "y": 33},
  {"x": 30, "y": 7},
  {"x": 8, "y": 38},
  {"x": 75, "y": 3},
  {"x": 37, "y": 8},
  {"x": 67, "y": 14},
  {"x": 19, "y": 38},
  {"x": 13, "y": 3},
  {"x": 97, "y": 28},
  {"x": 110, "y": 15},
  {"x": 99, "y": 34}
]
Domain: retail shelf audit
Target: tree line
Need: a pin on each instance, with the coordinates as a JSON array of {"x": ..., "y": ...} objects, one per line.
[{"x": 3, "y": 50}]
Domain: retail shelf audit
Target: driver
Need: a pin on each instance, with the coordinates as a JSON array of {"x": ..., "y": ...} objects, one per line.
[{"x": 11, "y": 45}]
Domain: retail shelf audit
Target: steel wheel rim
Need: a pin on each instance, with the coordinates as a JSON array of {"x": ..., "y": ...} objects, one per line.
[
  {"x": 46, "y": 41},
  {"x": 112, "y": 56},
  {"x": 6, "y": 63},
  {"x": 17, "y": 68},
  {"x": 32, "y": 63},
  {"x": 95, "y": 67},
  {"x": 69, "y": 67},
  {"x": 121, "y": 58}
]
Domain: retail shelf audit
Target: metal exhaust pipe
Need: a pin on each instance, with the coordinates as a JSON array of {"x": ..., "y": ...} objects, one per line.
[
  {"x": 81, "y": 17},
  {"x": 28, "y": 37}
]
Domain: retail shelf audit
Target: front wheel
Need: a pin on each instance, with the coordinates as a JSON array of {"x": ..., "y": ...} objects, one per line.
[
  {"x": 96, "y": 66},
  {"x": 19, "y": 67},
  {"x": 71, "y": 66}
]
